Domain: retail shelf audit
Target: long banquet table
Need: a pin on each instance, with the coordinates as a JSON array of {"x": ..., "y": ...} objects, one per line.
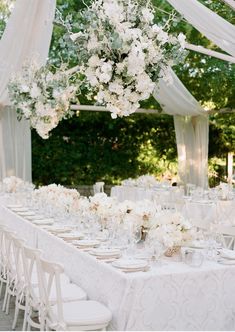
[{"x": 173, "y": 296}]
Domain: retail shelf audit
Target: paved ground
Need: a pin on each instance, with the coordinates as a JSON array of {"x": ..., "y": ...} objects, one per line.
[{"x": 6, "y": 320}]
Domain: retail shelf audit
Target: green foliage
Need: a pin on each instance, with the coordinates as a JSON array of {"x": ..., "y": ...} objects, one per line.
[{"x": 93, "y": 147}]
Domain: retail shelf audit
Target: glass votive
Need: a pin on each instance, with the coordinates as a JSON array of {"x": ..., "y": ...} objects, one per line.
[{"x": 192, "y": 257}]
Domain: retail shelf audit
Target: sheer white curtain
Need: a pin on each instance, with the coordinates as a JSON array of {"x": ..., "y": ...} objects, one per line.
[
  {"x": 231, "y": 3},
  {"x": 27, "y": 35},
  {"x": 192, "y": 130},
  {"x": 192, "y": 146},
  {"x": 214, "y": 27}
]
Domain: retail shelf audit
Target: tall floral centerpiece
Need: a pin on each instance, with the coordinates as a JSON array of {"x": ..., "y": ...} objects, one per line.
[{"x": 122, "y": 53}]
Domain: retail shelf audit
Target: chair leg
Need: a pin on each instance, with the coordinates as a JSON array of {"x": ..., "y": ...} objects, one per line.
[
  {"x": 5, "y": 300},
  {"x": 1, "y": 285},
  {"x": 25, "y": 320},
  {"x": 16, "y": 313},
  {"x": 8, "y": 304}
]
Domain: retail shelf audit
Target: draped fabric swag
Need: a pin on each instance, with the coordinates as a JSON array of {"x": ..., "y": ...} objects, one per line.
[{"x": 27, "y": 36}]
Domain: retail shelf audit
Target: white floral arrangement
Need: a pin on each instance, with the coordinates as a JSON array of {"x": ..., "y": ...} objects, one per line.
[
  {"x": 42, "y": 96},
  {"x": 224, "y": 191},
  {"x": 142, "y": 214},
  {"x": 102, "y": 206},
  {"x": 171, "y": 229},
  {"x": 58, "y": 197},
  {"x": 123, "y": 53},
  {"x": 13, "y": 184},
  {"x": 146, "y": 181}
]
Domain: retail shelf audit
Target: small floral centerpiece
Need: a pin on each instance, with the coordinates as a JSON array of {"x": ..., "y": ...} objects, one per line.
[
  {"x": 42, "y": 96},
  {"x": 13, "y": 184},
  {"x": 146, "y": 181},
  {"x": 171, "y": 229},
  {"x": 122, "y": 53},
  {"x": 102, "y": 206},
  {"x": 59, "y": 197}
]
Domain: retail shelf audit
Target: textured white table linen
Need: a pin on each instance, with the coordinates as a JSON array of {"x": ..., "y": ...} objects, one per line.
[
  {"x": 171, "y": 297},
  {"x": 200, "y": 212},
  {"x": 206, "y": 212},
  {"x": 158, "y": 195}
]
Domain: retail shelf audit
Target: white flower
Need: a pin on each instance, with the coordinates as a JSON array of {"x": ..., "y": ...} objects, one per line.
[
  {"x": 162, "y": 36},
  {"x": 114, "y": 11},
  {"x": 182, "y": 40},
  {"x": 136, "y": 62},
  {"x": 147, "y": 15},
  {"x": 105, "y": 77},
  {"x": 144, "y": 84},
  {"x": 94, "y": 61},
  {"x": 75, "y": 36},
  {"x": 120, "y": 67},
  {"x": 106, "y": 67},
  {"x": 116, "y": 87},
  {"x": 91, "y": 76},
  {"x": 25, "y": 88},
  {"x": 166, "y": 75},
  {"x": 35, "y": 91},
  {"x": 93, "y": 43}
]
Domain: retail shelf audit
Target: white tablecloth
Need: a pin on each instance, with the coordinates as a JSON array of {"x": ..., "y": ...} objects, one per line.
[
  {"x": 160, "y": 195},
  {"x": 171, "y": 297}
]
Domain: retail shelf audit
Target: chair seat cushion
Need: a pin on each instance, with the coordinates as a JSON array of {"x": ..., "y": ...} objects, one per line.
[
  {"x": 84, "y": 313},
  {"x": 70, "y": 292}
]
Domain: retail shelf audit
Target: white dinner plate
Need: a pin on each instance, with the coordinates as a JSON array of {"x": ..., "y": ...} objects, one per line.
[
  {"x": 105, "y": 252},
  {"x": 35, "y": 217},
  {"x": 20, "y": 209},
  {"x": 130, "y": 264},
  {"x": 42, "y": 222},
  {"x": 86, "y": 243},
  {"x": 227, "y": 254},
  {"x": 198, "y": 245},
  {"x": 26, "y": 213},
  {"x": 14, "y": 206},
  {"x": 226, "y": 261},
  {"x": 71, "y": 236},
  {"x": 58, "y": 230}
]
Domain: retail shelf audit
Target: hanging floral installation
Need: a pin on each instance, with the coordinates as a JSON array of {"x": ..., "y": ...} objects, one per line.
[
  {"x": 121, "y": 54},
  {"x": 42, "y": 96}
]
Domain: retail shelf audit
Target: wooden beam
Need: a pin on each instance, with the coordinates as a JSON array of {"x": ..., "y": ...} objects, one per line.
[
  {"x": 222, "y": 111},
  {"x": 94, "y": 108},
  {"x": 206, "y": 51},
  {"x": 230, "y": 3}
]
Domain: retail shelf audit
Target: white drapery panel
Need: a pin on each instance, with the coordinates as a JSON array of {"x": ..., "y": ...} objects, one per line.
[
  {"x": 27, "y": 35},
  {"x": 191, "y": 136},
  {"x": 231, "y": 3},
  {"x": 192, "y": 130},
  {"x": 176, "y": 99},
  {"x": 214, "y": 27}
]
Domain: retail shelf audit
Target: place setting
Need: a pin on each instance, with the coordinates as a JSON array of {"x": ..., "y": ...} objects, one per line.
[{"x": 226, "y": 257}]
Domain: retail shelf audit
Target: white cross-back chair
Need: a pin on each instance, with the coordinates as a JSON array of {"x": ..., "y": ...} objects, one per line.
[
  {"x": 228, "y": 236},
  {"x": 3, "y": 274},
  {"x": 32, "y": 304},
  {"x": 20, "y": 281},
  {"x": 67, "y": 316},
  {"x": 9, "y": 275},
  {"x": 70, "y": 292}
]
